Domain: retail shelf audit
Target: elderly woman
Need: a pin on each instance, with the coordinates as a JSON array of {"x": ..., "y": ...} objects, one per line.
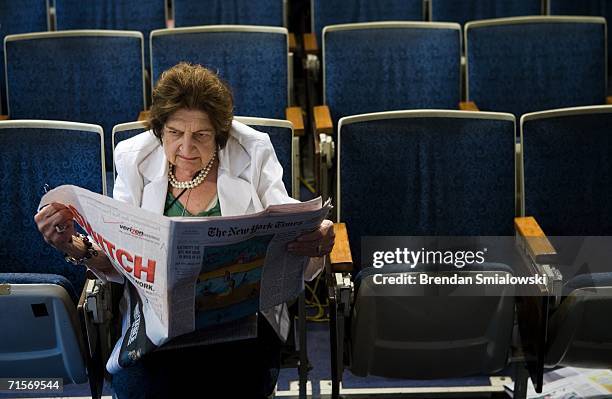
[{"x": 195, "y": 161}]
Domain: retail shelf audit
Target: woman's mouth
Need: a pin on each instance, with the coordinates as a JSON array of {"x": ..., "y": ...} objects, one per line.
[{"x": 187, "y": 158}]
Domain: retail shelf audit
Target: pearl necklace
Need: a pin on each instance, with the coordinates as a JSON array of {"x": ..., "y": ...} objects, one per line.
[{"x": 196, "y": 181}]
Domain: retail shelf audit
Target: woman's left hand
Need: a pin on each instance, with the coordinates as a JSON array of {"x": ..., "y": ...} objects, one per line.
[{"x": 317, "y": 243}]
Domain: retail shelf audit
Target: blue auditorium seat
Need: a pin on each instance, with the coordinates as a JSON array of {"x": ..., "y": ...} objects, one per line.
[
  {"x": 601, "y": 8},
  {"x": 462, "y": 11},
  {"x": 236, "y": 12},
  {"x": 43, "y": 289},
  {"x": 528, "y": 64},
  {"x": 252, "y": 60},
  {"x": 139, "y": 15},
  {"x": 82, "y": 76},
  {"x": 424, "y": 173},
  {"x": 20, "y": 17},
  {"x": 384, "y": 66},
  {"x": 567, "y": 178},
  {"x": 334, "y": 12},
  {"x": 121, "y": 132},
  {"x": 284, "y": 143}
]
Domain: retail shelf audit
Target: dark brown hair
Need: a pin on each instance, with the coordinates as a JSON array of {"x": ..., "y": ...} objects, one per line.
[{"x": 193, "y": 87}]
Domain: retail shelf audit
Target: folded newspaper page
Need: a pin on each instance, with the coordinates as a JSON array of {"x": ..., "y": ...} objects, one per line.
[
  {"x": 572, "y": 383},
  {"x": 196, "y": 273}
]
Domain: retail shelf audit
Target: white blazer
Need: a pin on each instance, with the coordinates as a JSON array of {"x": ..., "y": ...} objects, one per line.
[{"x": 248, "y": 180}]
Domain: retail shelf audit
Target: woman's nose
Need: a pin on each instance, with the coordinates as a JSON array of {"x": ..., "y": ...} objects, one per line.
[{"x": 187, "y": 141}]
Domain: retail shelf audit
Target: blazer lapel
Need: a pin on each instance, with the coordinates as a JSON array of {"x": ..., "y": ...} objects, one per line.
[
  {"x": 155, "y": 171},
  {"x": 235, "y": 192}
]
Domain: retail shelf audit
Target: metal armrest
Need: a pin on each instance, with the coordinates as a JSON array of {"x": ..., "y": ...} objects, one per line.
[
  {"x": 95, "y": 312},
  {"x": 340, "y": 293},
  {"x": 324, "y": 147}
]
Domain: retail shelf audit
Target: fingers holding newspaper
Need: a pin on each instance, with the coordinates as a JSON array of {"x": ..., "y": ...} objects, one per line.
[
  {"x": 56, "y": 224},
  {"x": 316, "y": 243}
]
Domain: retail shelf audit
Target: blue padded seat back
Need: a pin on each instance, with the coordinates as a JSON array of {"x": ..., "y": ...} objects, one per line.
[
  {"x": 254, "y": 63},
  {"x": 32, "y": 157},
  {"x": 20, "y": 17},
  {"x": 334, "y": 12},
  {"x": 120, "y": 133},
  {"x": 568, "y": 172},
  {"x": 233, "y": 12},
  {"x": 462, "y": 11},
  {"x": 601, "y": 8},
  {"x": 391, "y": 67},
  {"x": 95, "y": 78},
  {"x": 537, "y": 64},
  {"x": 281, "y": 139},
  {"x": 140, "y": 15},
  {"x": 428, "y": 173}
]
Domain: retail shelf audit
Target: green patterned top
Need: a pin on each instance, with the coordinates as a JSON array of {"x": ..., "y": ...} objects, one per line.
[{"x": 177, "y": 208}]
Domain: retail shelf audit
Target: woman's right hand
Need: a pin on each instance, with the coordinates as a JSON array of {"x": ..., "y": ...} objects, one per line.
[{"x": 55, "y": 223}]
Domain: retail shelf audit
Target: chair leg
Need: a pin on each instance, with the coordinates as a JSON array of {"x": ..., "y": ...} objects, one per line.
[
  {"x": 521, "y": 381},
  {"x": 95, "y": 371},
  {"x": 333, "y": 341},
  {"x": 304, "y": 364}
]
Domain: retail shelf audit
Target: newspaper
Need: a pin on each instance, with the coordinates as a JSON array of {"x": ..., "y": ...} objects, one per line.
[
  {"x": 211, "y": 274},
  {"x": 573, "y": 383}
]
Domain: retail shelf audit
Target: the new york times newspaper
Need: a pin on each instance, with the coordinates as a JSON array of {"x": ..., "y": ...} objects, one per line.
[{"x": 202, "y": 279}]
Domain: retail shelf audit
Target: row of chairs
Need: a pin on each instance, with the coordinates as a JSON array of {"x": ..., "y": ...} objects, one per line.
[
  {"x": 40, "y": 291},
  {"x": 98, "y": 77},
  {"x": 80, "y": 75},
  {"x": 455, "y": 170},
  {"x": 451, "y": 173}
]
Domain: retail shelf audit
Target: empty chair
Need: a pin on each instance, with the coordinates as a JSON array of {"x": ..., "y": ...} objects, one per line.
[
  {"x": 601, "y": 8},
  {"x": 334, "y": 12},
  {"x": 235, "y": 12},
  {"x": 20, "y": 17},
  {"x": 82, "y": 76},
  {"x": 446, "y": 173},
  {"x": 384, "y": 66},
  {"x": 462, "y": 11},
  {"x": 253, "y": 60},
  {"x": 528, "y": 64},
  {"x": 567, "y": 174},
  {"x": 138, "y": 15},
  {"x": 44, "y": 289}
]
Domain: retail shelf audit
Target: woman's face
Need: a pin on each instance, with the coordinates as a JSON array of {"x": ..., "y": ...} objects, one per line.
[{"x": 189, "y": 140}]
